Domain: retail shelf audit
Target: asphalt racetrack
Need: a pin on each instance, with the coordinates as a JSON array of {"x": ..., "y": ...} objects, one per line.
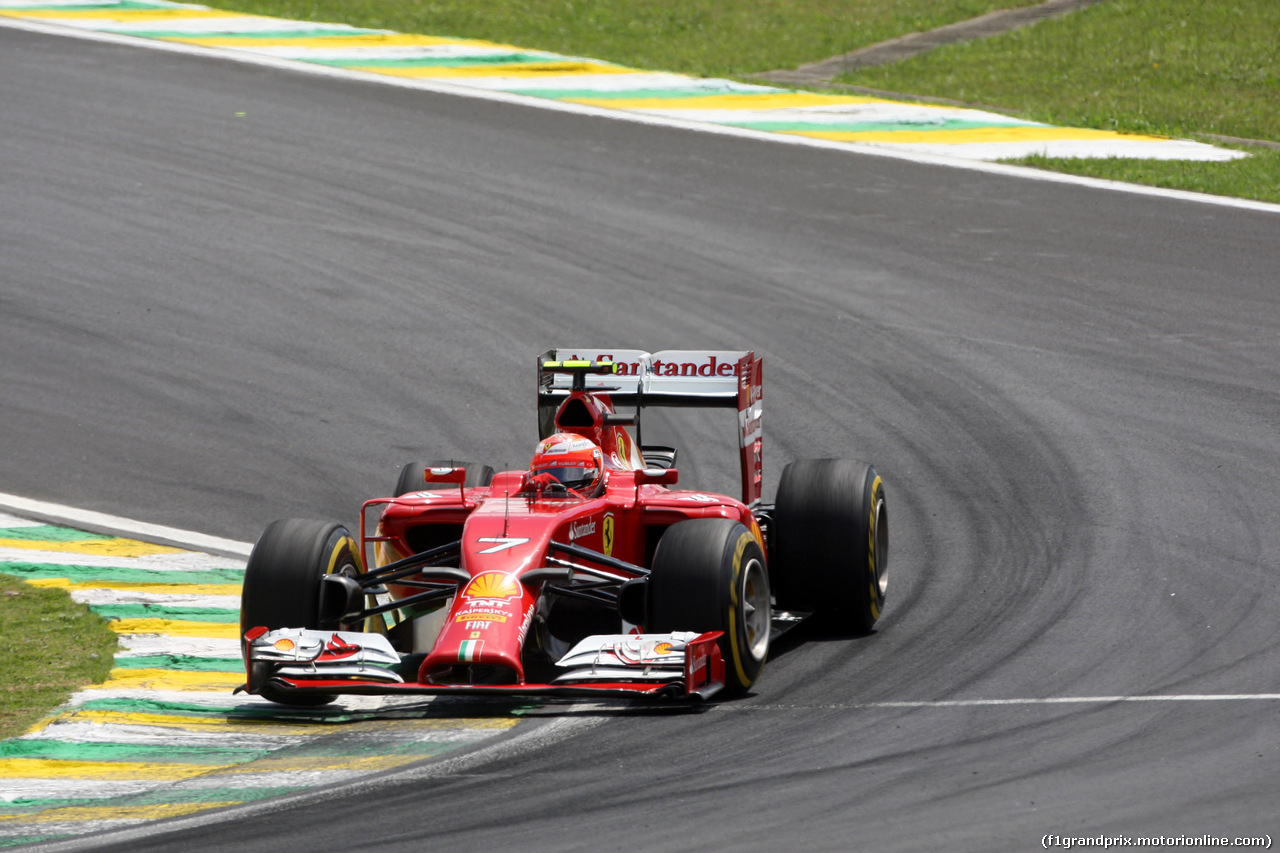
[{"x": 230, "y": 294}]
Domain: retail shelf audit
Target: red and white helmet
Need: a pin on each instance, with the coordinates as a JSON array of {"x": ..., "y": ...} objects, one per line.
[{"x": 572, "y": 460}]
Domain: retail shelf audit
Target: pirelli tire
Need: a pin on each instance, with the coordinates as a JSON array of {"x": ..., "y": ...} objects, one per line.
[
  {"x": 411, "y": 479},
  {"x": 282, "y": 582},
  {"x": 830, "y": 550},
  {"x": 709, "y": 574}
]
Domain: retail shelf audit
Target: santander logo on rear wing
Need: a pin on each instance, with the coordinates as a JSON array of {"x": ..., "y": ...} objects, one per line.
[{"x": 670, "y": 378}]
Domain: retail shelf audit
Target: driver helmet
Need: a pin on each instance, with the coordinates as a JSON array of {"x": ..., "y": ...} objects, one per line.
[{"x": 573, "y": 461}]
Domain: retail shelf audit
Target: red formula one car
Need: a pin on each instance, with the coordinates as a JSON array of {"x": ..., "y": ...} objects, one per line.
[{"x": 586, "y": 573}]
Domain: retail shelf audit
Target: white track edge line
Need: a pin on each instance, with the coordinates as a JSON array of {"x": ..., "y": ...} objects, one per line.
[
  {"x": 1024, "y": 701},
  {"x": 1078, "y": 700},
  {"x": 99, "y": 521},
  {"x": 437, "y": 87}
]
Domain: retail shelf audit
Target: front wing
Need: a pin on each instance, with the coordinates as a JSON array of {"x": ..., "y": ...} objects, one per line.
[{"x": 298, "y": 661}]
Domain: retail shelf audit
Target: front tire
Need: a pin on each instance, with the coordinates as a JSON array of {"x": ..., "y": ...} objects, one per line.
[
  {"x": 282, "y": 582},
  {"x": 709, "y": 574},
  {"x": 830, "y": 552}
]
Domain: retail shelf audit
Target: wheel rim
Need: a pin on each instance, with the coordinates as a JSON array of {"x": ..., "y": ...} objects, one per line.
[
  {"x": 881, "y": 547},
  {"x": 755, "y": 608}
]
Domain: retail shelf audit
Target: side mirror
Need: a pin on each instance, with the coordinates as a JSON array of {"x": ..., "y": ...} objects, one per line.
[
  {"x": 445, "y": 475},
  {"x": 661, "y": 476},
  {"x": 450, "y": 475}
]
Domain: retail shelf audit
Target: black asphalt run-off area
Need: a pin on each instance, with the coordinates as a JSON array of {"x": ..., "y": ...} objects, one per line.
[{"x": 230, "y": 294}]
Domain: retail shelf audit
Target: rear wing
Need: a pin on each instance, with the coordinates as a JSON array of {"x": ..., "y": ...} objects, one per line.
[{"x": 671, "y": 378}]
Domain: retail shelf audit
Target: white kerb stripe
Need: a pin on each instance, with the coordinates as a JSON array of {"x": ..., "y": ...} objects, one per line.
[{"x": 73, "y": 517}]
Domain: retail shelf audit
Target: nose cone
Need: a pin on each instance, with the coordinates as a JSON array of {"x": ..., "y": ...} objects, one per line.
[{"x": 483, "y": 637}]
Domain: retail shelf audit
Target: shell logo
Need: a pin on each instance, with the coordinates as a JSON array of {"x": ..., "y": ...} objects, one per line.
[
  {"x": 284, "y": 644},
  {"x": 492, "y": 585}
]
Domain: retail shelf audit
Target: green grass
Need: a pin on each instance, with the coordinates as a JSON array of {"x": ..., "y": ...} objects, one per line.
[
  {"x": 1182, "y": 68},
  {"x": 52, "y": 646},
  {"x": 1257, "y": 177}
]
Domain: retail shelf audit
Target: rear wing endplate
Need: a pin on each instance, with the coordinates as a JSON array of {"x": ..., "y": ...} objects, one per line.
[{"x": 670, "y": 378}]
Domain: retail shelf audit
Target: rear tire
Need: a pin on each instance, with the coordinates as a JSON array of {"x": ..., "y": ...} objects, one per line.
[
  {"x": 282, "y": 582},
  {"x": 411, "y": 479},
  {"x": 830, "y": 552},
  {"x": 709, "y": 574}
]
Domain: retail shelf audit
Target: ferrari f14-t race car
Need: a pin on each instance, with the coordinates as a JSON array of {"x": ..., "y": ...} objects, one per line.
[{"x": 587, "y": 573}]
